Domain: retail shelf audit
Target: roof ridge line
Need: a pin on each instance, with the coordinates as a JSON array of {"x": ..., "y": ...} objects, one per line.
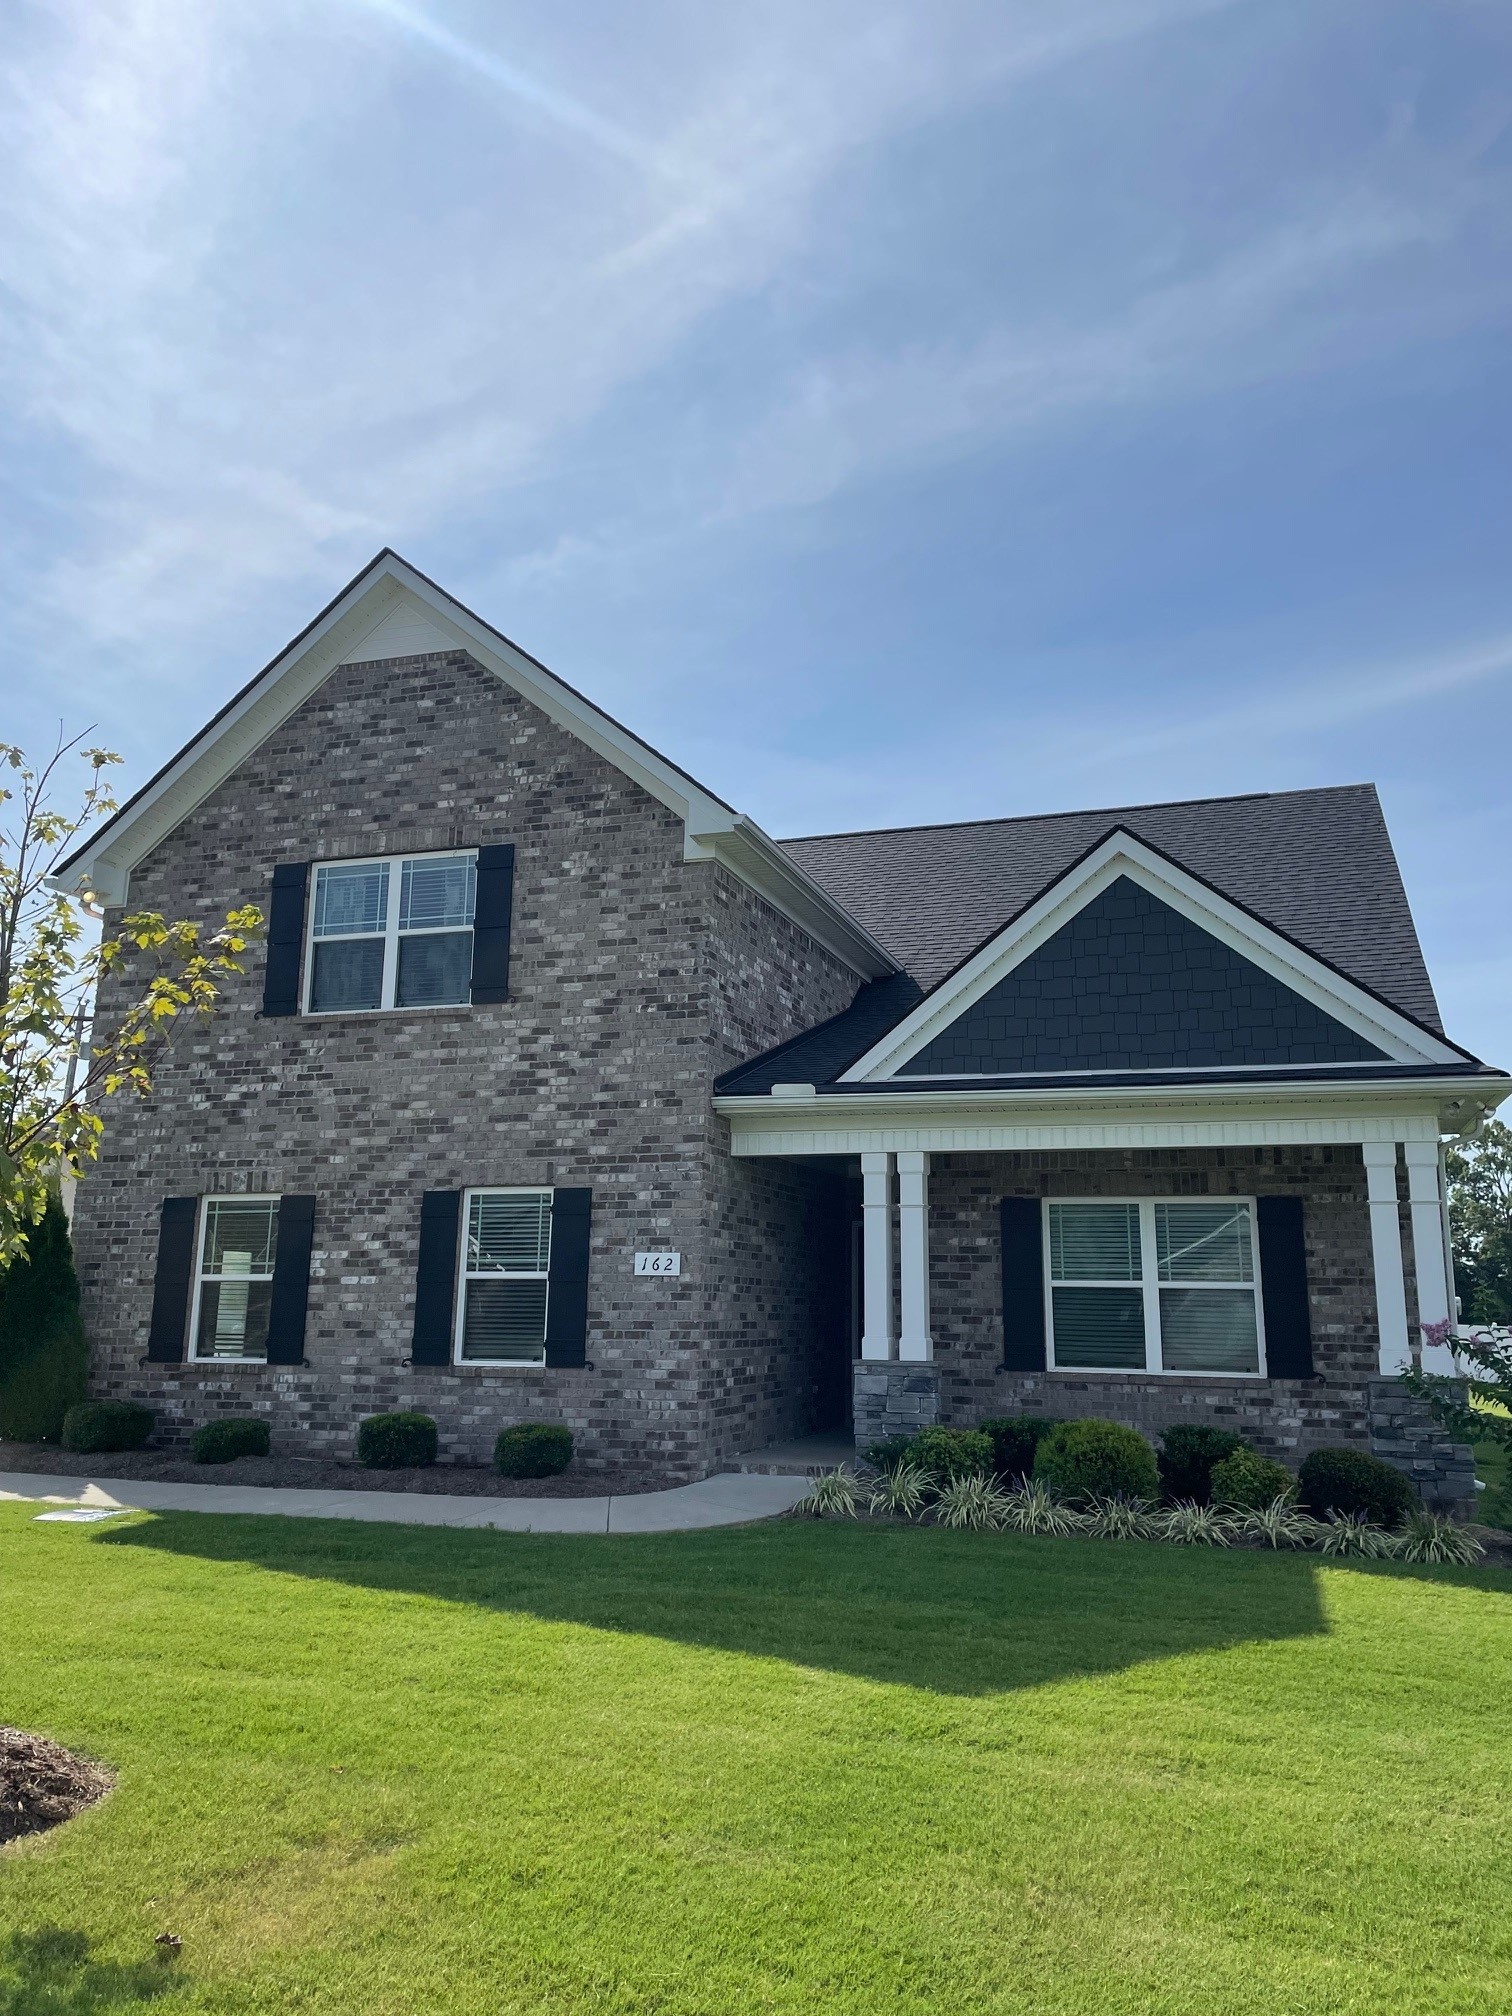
[{"x": 1075, "y": 812}]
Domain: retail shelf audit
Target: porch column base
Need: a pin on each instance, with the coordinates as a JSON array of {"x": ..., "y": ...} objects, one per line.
[
  {"x": 894, "y": 1399},
  {"x": 1404, "y": 1434}
]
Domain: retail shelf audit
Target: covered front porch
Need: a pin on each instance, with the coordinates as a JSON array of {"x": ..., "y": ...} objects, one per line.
[{"x": 956, "y": 1287}]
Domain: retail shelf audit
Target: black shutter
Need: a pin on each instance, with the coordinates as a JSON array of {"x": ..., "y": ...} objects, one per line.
[
  {"x": 436, "y": 1277},
  {"x": 491, "y": 922},
  {"x": 1283, "y": 1288},
  {"x": 291, "y": 1281},
  {"x": 567, "y": 1290},
  {"x": 286, "y": 912},
  {"x": 1023, "y": 1286},
  {"x": 170, "y": 1284}
]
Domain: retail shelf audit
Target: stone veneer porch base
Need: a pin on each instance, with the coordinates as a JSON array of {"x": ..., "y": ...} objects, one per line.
[{"x": 894, "y": 1398}]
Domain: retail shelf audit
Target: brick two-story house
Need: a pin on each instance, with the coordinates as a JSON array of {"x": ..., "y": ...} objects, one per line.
[{"x": 560, "y": 1090}]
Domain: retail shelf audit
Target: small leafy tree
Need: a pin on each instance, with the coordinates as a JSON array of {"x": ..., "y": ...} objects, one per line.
[
  {"x": 1489, "y": 1360},
  {"x": 1480, "y": 1217},
  {"x": 50, "y": 1091}
]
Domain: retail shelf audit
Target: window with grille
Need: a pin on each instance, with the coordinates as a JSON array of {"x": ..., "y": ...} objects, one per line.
[
  {"x": 1154, "y": 1285},
  {"x": 394, "y": 933},
  {"x": 234, "y": 1285},
  {"x": 506, "y": 1258}
]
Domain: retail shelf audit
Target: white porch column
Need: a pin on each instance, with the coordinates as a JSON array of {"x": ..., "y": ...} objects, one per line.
[
  {"x": 876, "y": 1256},
  {"x": 1429, "y": 1261},
  {"x": 915, "y": 1340},
  {"x": 1386, "y": 1247}
]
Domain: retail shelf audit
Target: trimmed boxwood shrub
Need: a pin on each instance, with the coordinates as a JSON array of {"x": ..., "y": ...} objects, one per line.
[
  {"x": 104, "y": 1427},
  {"x": 224, "y": 1441},
  {"x": 947, "y": 1453},
  {"x": 533, "y": 1449},
  {"x": 1187, "y": 1455},
  {"x": 1347, "y": 1480},
  {"x": 1097, "y": 1459},
  {"x": 896, "y": 1453},
  {"x": 1249, "y": 1481},
  {"x": 1015, "y": 1441},
  {"x": 396, "y": 1441}
]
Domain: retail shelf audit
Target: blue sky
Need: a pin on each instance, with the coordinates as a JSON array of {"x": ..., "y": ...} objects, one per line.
[{"x": 897, "y": 412}]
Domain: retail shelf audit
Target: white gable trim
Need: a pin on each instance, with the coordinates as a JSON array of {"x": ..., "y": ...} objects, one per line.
[
  {"x": 1401, "y": 1039},
  {"x": 391, "y": 610}
]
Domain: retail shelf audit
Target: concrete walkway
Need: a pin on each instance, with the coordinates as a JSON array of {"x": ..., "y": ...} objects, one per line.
[{"x": 718, "y": 1501}]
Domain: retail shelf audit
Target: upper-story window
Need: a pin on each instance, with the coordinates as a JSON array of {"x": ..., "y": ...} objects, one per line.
[{"x": 396, "y": 933}]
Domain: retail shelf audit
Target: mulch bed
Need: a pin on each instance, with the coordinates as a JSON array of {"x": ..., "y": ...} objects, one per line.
[
  {"x": 42, "y": 1784},
  {"x": 303, "y": 1473}
]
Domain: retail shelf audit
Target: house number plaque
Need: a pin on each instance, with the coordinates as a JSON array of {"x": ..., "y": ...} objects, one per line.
[{"x": 658, "y": 1263}]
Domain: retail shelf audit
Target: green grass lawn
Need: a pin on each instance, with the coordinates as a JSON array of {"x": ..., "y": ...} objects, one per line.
[{"x": 792, "y": 1767}]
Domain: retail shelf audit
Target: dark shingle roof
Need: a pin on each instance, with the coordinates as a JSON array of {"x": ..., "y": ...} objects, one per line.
[{"x": 1317, "y": 865}]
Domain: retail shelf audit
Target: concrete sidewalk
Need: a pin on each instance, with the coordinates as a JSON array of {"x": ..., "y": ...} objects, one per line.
[{"x": 718, "y": 1501}]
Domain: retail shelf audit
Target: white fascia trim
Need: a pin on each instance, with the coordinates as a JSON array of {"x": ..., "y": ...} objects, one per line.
[
  {"x": 390, "y": 587},
  {"x": 754, "y": 858},
  {"x": 1106, "y": 1117},
  {"x": 1122, "y": 854}
]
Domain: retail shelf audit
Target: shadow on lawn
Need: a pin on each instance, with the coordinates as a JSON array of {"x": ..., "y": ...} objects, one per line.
[
  {"x": 49, "y": 1973},
  {"x": 953, "y": 1613}
]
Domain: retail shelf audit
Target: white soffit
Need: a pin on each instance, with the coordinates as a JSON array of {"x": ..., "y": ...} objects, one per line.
[
  {"x": 392, "y": 611},
  {"x": 1122, "y": 853}
]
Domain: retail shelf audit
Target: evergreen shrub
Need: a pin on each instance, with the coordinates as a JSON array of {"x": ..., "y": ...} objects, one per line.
[
  {"x": 44, "y": 1361},
  {"x": 1097, "y": 1459},
  {"x": 1248, "y": 1481},
  {"x": 105, "y": 1427},
  {"x": 944, "y": 1454},
  {"x": 1015, "y": 1441},
  {"x": 224, "y": 1441},
  {"x": 533, "y": 1449},
  {"x": 405, "y": 1441},
  {"x": 1187, "y": 1455},
  {"x": 1348, "y": 1480}
]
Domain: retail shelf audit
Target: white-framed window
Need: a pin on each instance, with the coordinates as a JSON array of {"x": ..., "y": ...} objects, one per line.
[
  {"x": 233, "y": 1278},
  {"x": 506, "y": 1259},
  {"x": 1154, "y": 1284},
  {"x": 391, "y": 933}
]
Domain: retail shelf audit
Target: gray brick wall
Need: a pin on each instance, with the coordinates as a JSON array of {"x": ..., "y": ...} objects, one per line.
[
  {"x": 634, "y": 977},
  {"x": 1287, "y": 1418}
]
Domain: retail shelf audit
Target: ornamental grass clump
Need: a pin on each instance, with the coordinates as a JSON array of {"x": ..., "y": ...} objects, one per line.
[
  {"x": 1188, "y": 1524},
  {"x": 972, "y": 1503},
  {"x": 899, "y": 1494},
  {"x": 1278, "y": 1524},
  {"x": 1434, "y": 1537},
  {"x": 831, "y": 1496},
  {"x": 1353, "y": 1534},
  {"x": 1120, "y": 1518},
  {"x": 1082, "y": 1460},
  {"x": 1248, "y": 1481},
  {"x": 1350, "y": 1480},
  {"x": 224, "y": 1441},
  {"x": 1188, "y": 1453},
  {"x": 1034, "y": 1509}
]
